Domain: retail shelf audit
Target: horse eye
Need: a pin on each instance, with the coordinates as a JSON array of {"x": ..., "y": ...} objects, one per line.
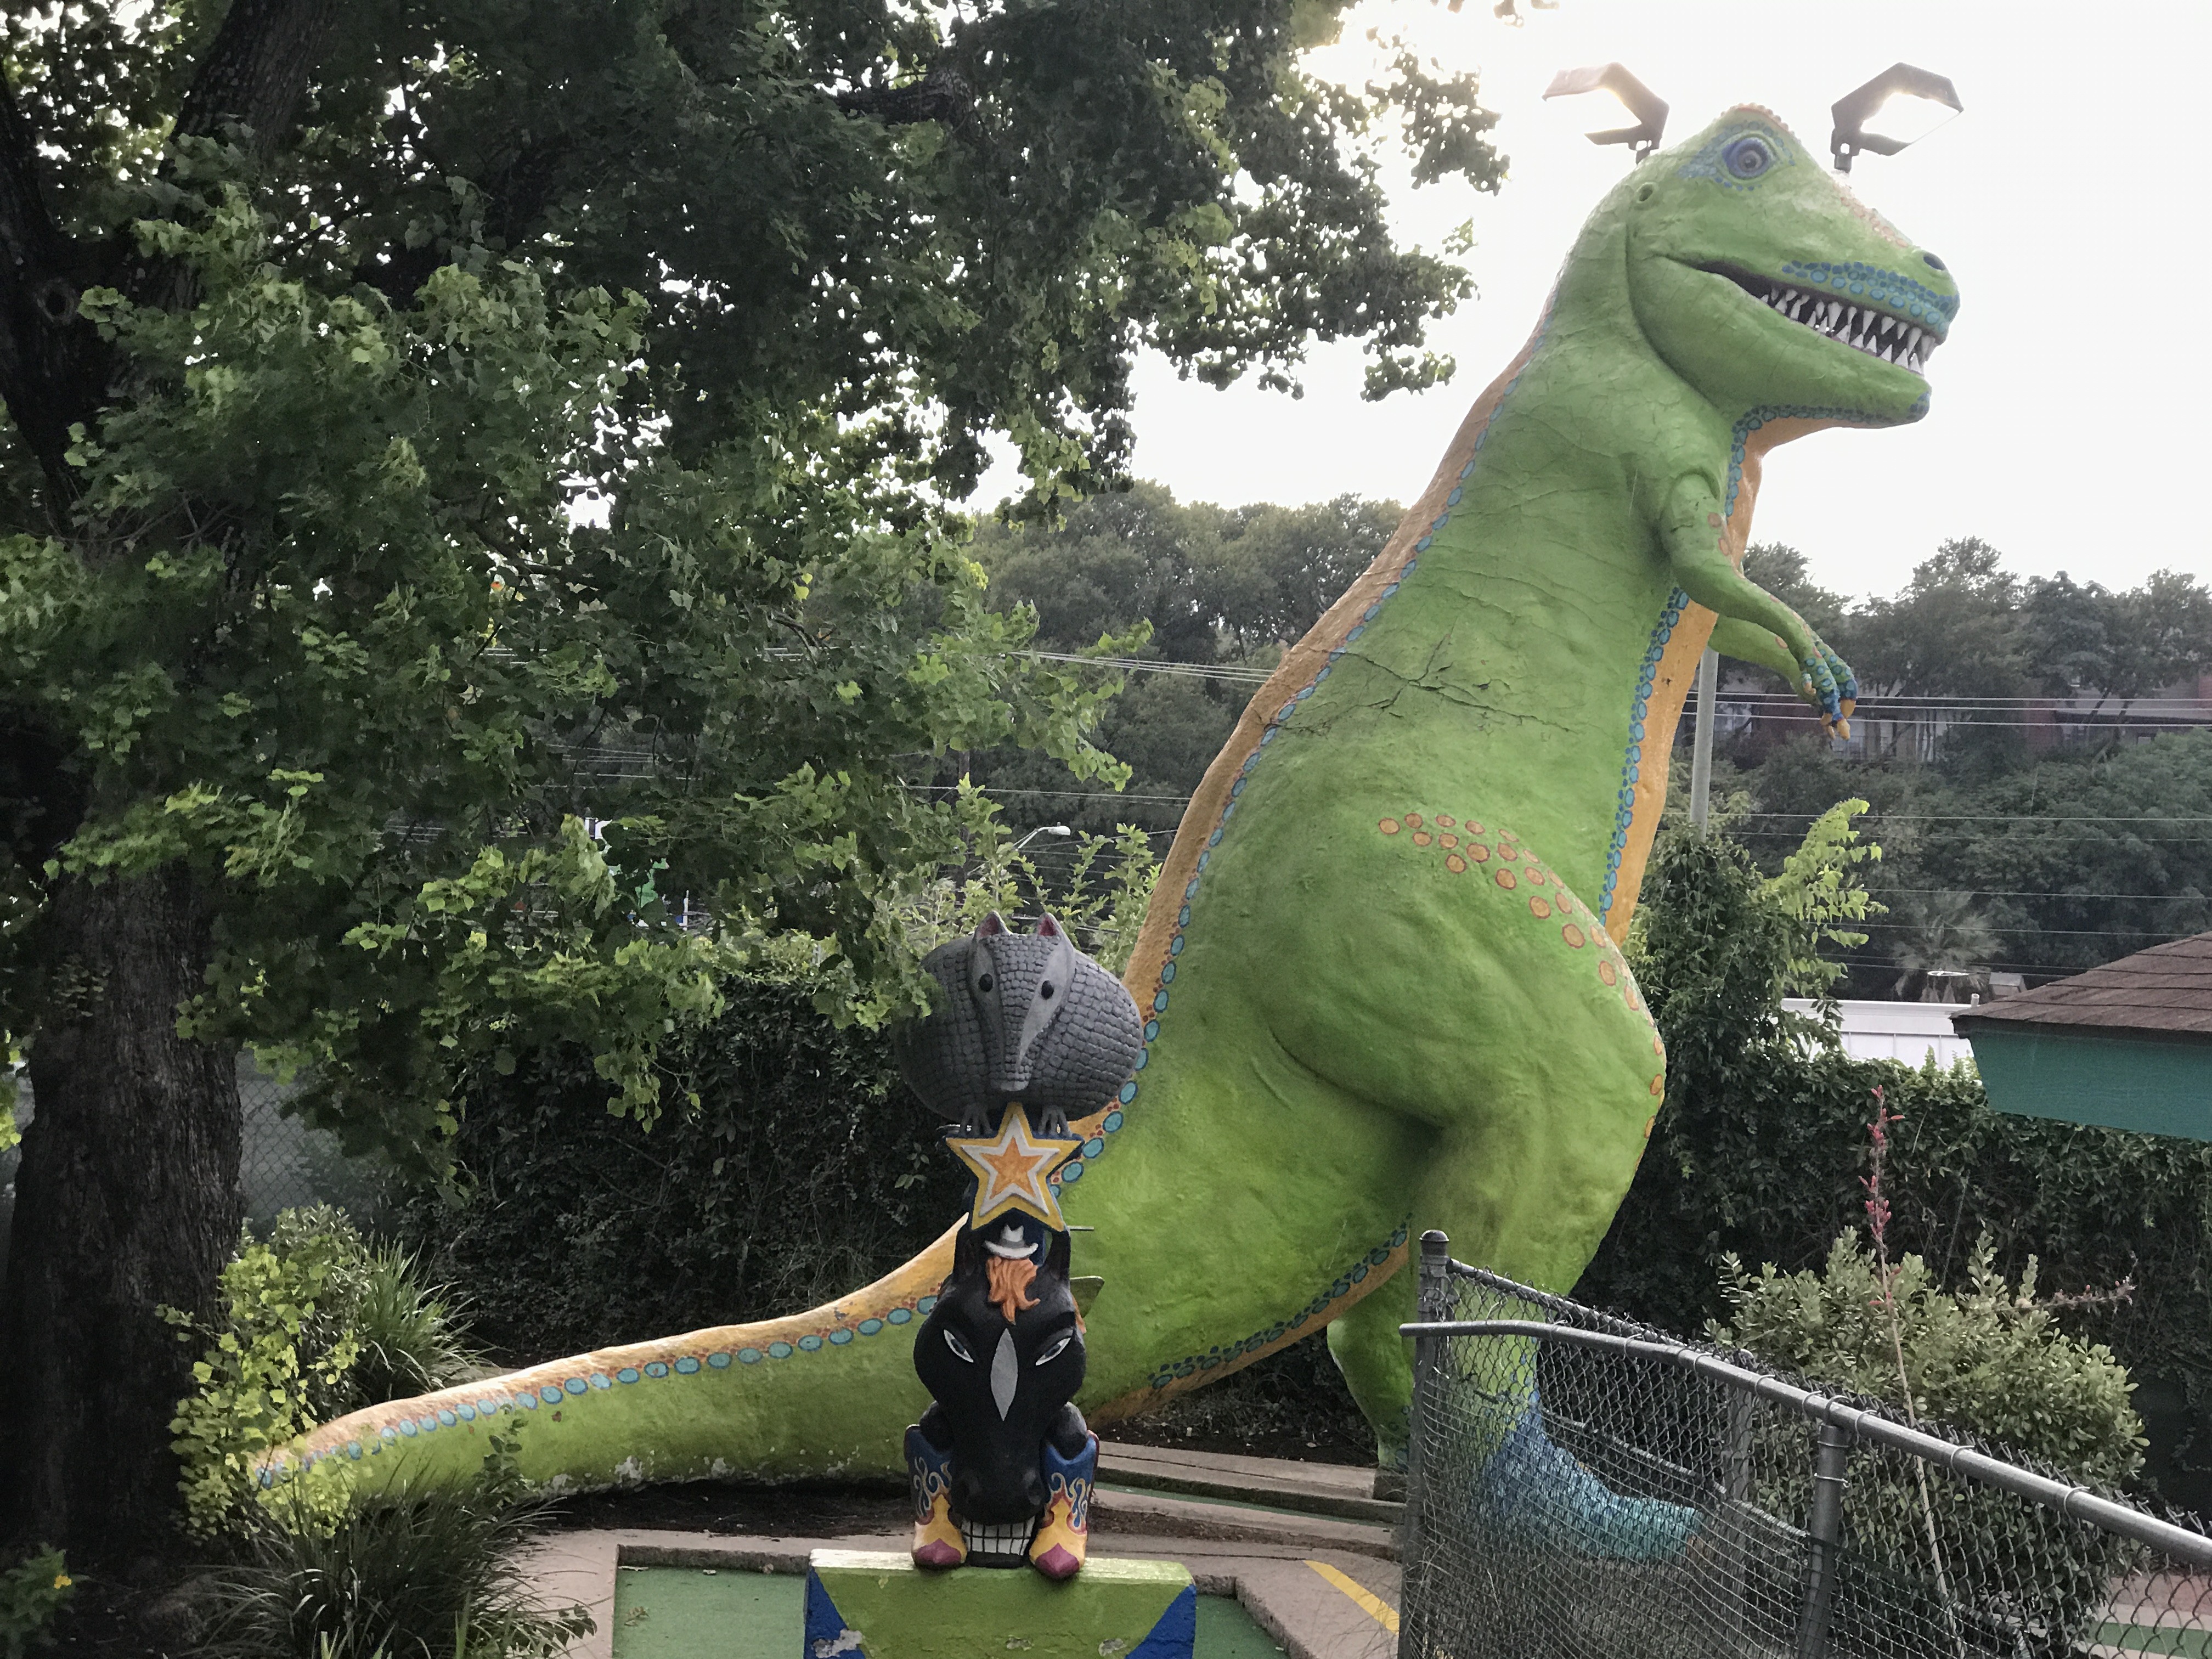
[
  {"x": 959, "y": 1348},
  {"x": 1047, "y": 990},
  {"x": 984, "y": 983},
  {"x": 1058, "y": 1348}
]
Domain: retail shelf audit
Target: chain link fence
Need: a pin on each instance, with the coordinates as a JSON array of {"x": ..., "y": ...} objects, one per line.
[
  {"x": 283, "y": 1162},
  {"x": 1580, "y": 1485}
]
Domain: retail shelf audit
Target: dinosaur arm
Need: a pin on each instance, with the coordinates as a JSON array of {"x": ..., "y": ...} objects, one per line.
[
  {"x": 1692, "y": 529},
  {"x": 1749, "y": 642}
]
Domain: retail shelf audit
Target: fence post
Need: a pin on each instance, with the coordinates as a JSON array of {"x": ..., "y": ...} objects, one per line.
[
  {"x": 1825, "y": 1526},
  {"x": 1431, "y": 1301},
  {"x": 1737, "y": 1490}
]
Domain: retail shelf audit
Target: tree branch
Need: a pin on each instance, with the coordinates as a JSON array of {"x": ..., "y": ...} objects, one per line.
[
  {"x": 943, "y": 94},
  {"x": 40, "y": 333},
  {"x": 55, "y": 371},
  {"x": 256, "y": 70}
]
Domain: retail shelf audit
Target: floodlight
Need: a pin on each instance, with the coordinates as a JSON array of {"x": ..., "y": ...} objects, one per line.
[
  {"x": 1634, "y": 98},
  {"x": 1906, "y": 103}
]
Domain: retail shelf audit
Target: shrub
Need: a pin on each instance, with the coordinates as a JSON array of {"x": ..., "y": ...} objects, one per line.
[
  {"x": 1989, "y": 1359},
  {"x": 315, "y": 1324},
  {"x": 411, "y": 1336},
  {"x": 430, "y": 1574},
  {"x": 31, "y": 1593},
  {"x": 1762, "y": 1136},
  {"x": 802, "y": 1169}
]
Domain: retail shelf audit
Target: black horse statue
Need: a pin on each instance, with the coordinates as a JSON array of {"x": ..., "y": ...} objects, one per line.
[{"x": 1003, "y": 1464}]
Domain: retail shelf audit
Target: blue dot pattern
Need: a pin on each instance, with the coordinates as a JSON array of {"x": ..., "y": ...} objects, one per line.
[
  {"x": 1631, "y": 763},
  {"x": 1318, "y": 1308}
]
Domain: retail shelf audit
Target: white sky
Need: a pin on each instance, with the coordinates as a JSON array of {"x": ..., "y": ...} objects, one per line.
[{"x": 2068, "y": 426}]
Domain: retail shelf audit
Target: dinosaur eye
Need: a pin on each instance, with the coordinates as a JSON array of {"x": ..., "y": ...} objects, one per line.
[
  {"x": 1058, "y": 1346},
  {"x": 984, "y": 984},
  {"x": 959, "y": 1348},
  {"x": 1046, "y": 991},
  {"x": 1747, "y": 158}
]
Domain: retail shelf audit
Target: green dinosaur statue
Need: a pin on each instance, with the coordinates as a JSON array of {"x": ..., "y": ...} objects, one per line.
[{"x": 1380, "y": 975}]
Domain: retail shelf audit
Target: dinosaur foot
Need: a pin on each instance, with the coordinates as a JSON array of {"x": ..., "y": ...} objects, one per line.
[{"x": 1535, "y": 1490}]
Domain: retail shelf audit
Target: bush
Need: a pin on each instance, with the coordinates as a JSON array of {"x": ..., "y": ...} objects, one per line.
[
  {"x": 426, "y": 1576},
  {"x": 31, "y": 1593},
  {"x": 802, "y": 1169},
  {"x": 1763, "y": 1137},
  {"x": 1989, "y": 1359},
  {"x": 316, "y": 1324}
]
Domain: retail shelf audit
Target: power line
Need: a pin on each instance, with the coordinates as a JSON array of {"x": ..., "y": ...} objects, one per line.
[
  {"x": 1994, "y": 892},
  {"x": 2033, "y": 932},
  {"x": 2000, "y": 818}
]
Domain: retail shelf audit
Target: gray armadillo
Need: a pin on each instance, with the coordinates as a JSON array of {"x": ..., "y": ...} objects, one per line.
[{"x": 1021, "y": 1016}]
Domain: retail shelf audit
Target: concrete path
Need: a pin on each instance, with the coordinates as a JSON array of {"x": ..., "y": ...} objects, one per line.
[{"x": 1335, "y": 1489}]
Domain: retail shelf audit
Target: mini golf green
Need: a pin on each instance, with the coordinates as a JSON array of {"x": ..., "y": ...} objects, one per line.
[{"x": 693, "y": 1612}]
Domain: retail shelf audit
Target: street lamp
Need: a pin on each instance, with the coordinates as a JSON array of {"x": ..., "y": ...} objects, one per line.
[
  {"x": 1632, "y": 96},
  {"x": 1910, "y": 103},
  {"x": 1043, "y": 829}
]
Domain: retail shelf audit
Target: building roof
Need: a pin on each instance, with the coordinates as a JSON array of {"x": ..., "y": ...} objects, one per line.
[{"x": 2167, "y": 990}]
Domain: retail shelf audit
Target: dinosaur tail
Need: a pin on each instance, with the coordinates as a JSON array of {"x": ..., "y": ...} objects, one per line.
[{"x": 826, "y": 1392}]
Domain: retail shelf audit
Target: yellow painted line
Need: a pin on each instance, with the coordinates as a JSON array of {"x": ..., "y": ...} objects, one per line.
[{"x": 1371, "y": 1604}]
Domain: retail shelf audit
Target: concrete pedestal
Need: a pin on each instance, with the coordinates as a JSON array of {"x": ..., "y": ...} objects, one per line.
[{"x": 881, "y": 1606}]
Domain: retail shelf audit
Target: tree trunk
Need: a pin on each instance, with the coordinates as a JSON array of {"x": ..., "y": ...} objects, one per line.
[{"x": 127, "y": 1199}]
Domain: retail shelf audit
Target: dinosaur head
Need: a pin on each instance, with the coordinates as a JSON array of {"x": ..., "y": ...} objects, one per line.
[{"x": 1763, "y": 282}]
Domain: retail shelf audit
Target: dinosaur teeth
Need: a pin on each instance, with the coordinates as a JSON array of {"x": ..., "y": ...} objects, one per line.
[{"x": 1880, "y": 334}]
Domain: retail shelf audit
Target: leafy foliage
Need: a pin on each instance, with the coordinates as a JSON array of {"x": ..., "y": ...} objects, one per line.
[
  {"x": 1990, "y": 1359},
  {"x": 1762, "y": 1136},
  {"x": 547, "y": 412},
  {"x": 1208, "y": 588},
  {"x": 317, "y": 1323},
  {"x": 31, "y": 1592},
  {"x": 802, "y": 1170},
  {"x": 1821, "y": 891},
  {"x": 430, "y": 1575},
  {"x": 800, "y": 1166}
]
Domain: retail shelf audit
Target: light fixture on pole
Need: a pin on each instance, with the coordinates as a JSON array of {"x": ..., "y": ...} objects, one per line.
[
  {"x": 1043, "y": 829},
  {"x": 1636, "y": 100},
  {"x": 1907, "y": 103}
]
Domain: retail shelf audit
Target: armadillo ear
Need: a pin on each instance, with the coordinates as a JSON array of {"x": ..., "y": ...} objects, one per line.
[
  {"x": 1049, "y": 928},
  {"x": 991, "y": 924}
]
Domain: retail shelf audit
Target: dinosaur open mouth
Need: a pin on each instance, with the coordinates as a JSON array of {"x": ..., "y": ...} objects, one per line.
[{"x": 1878, "y": 333}]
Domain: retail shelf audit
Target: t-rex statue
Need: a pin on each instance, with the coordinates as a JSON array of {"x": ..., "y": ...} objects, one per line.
[{"x": 1381, "y": 976}]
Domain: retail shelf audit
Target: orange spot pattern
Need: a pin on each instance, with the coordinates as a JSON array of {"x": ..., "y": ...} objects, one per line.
[{"x": 1460, "y": 854}]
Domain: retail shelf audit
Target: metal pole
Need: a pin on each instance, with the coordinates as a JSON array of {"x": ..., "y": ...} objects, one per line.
[
  {"x": 1701, "y": 744},
  {"x": 1432, "y": 1300},
  {"x": 1825, "y": 1528},
  {"x": 1737, "y": 1488}
]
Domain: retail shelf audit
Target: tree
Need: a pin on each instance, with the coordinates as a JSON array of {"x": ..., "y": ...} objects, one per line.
[
  {"x": 1762, "y": 1142},
  {"x": 1216, "y": 591},
  {"x": 432, "y": 427}
]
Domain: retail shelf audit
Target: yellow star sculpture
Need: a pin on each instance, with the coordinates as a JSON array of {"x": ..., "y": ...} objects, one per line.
[{"x": 1010, "y": 1169}]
